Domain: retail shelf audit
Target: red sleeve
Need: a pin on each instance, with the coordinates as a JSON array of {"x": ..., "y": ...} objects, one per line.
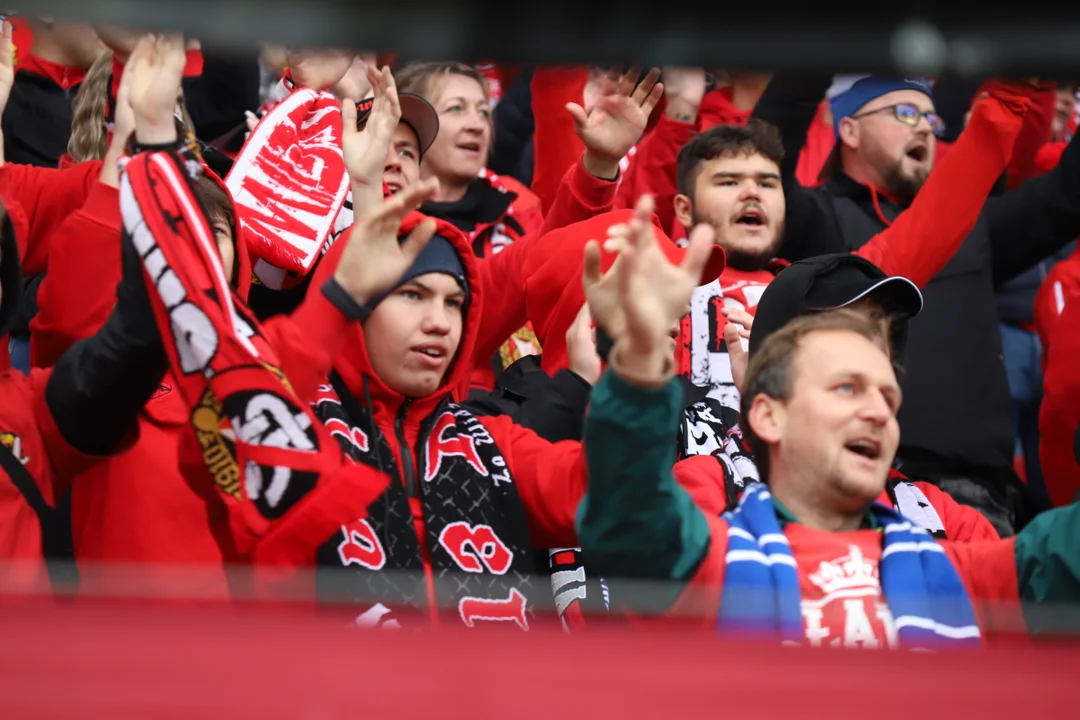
[
  {"x": 581, "y": 195},
  {"x": 1048, "y": 156},
  {"x": 38, "y": 200},
  {"x": 1059, "y": 414},
  {"x": 925, "y": 237},
  {"x": 820, "y": 140},
  {"x": 79, "y": 290},
  {"x": 550, "y": 479},
  {"x": 526, "y": 207},
  {"x": 502, "y": 282},
  {"x": 1034, "y": 133},
  {"x": 503, "y": 275},
  {"x": 307, "y": 341},
  {"x": 555, "y": 144},
  {"x": 988, "y": 570},
  {"x": 1061, "y": 286},
  {"x": 65, "y": 462},
  {"x": 702, "y": 477},
  {"x": 701, "y": 598},
  {"x": 962, "y": 523},
  {"x": 654, "y": 168}
]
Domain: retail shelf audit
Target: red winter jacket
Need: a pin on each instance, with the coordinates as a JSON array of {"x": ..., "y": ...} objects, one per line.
[
  {"x": 549, "y": 477},
  {"x": 37, "y": 200},
  {"x": 152, "y": 504}
]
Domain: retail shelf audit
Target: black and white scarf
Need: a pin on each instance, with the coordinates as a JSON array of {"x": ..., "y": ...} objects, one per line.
[{"x": 481, "y": 558}]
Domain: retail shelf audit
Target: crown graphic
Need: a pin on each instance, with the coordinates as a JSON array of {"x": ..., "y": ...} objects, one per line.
[{"x": 851, "y": 571}]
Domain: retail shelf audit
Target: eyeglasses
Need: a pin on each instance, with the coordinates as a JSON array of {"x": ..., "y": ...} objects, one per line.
[{"x": 910, "y": 115}]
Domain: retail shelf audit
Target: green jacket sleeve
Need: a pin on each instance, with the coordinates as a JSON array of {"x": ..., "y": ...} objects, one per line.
[
  {"x": 635, "y": 521},
  {"x": 1048, "y": 570}
]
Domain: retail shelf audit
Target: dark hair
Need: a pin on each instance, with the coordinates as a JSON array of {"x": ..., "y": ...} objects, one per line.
[
  {"x": 757, "y": 137},
  {"x": 216, "y": 202},
  {"x": 771, "y": 369}
]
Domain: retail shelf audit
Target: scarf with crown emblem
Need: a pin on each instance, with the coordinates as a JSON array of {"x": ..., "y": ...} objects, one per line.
[
  {"x": 929, "y": 603},
  {"x": 481, "y": 558}
]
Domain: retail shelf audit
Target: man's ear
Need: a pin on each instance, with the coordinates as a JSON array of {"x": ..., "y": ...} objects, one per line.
[
  {"x": 684, "y": 210},
  {"x": 849, "y": 133},
  {"x": 767, "y": 418}
]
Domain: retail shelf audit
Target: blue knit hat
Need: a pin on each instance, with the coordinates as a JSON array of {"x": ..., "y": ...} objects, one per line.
[{"x": 869, "y": 88}]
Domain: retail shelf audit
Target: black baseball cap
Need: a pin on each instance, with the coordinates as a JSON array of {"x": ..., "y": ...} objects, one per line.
[
  {"x": 416, "y": 112},
  {"x": 828, "y": 282}
]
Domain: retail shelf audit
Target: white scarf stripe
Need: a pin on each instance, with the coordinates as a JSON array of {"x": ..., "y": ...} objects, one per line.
[
  {"x": 734, "y": 556},
  {"x": 763, "y": 540},
  {"x": 911, "y": 547},
  {"x": 955, "y": 633}
]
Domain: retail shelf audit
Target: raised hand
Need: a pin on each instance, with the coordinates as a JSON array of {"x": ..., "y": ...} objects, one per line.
[
  {"x": 616, "y": 120},
  {"x": 374, "y": 260},
  {"x": 684, "y": 88},
  {"x": 736, "y": 330},
  {"x": 7, "y": 71},
  {"x": 124, "y": 117},
  {"x": 156, "y": 66},
  {"x": 581, "y": 347},
  {"x": 365, "y": 150},
  {"x": 643, "y": 294},
  {"x": 320, "y": 69}
]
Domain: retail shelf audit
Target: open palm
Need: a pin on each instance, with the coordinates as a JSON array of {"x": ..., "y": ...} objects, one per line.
[
  {"x": 643, "y": 294},
  {"x": 157, "y": 68},
  {"x": 7, "y": 65},
  {"x": 618, "y": 118},
  {"x": 374, "y": 260}
]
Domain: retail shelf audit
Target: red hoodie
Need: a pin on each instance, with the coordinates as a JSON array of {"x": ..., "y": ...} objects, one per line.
[
  {"x": 117, "y": 515},
  {"x": 549, "y": 478}
]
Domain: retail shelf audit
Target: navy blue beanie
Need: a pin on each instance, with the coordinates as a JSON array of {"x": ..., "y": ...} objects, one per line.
[
  {"x": 870, "y": 88},
  {"x": 438, "y": 256}
]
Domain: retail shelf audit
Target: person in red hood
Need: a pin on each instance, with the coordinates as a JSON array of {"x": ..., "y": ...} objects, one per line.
[
  {"x": 470, "y": 496},
  {"x": 492, "y": 210},
  {"x": 176, "y": 521}
]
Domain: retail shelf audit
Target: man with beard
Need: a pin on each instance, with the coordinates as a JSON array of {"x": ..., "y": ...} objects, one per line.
[{"x": 957, "y": 419}]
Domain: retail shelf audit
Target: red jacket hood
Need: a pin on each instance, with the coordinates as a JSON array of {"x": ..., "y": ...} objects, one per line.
[
  {"x": 353, "y": 364},
  {"x": 242, "y": 271},
  {"x": 553, "y": 290},
  {"x": 717, "y": 109}
]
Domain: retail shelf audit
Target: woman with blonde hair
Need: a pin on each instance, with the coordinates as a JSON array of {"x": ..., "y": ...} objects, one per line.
[{"x": 492, "y": 211}]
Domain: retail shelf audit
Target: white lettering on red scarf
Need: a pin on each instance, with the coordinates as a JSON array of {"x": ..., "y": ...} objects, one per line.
[{"x": 289, "y": 181}]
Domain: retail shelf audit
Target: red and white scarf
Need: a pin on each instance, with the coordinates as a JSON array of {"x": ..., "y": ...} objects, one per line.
[
  {"x": 283, "y": 478},
  {"x": 288, "y": 184}
]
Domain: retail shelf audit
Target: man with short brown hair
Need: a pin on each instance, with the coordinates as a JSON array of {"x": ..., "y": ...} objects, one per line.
[{"x": 810, "y": 557}]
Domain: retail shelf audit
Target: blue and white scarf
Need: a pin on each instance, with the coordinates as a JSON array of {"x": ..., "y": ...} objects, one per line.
[{"x": 928, "y": 601}]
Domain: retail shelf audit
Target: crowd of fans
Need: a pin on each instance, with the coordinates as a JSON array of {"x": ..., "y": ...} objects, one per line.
[{"x": 480, "y": 341}]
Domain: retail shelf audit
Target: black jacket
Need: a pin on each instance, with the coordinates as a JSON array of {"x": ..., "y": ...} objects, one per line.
[
  {"x": 553, "y": 407},
  {"x": 37, "y": 120},
  {"x": 956, "y": 412}
]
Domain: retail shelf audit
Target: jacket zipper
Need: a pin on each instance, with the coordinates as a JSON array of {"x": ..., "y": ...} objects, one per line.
[{"x": 406, "y": 452}]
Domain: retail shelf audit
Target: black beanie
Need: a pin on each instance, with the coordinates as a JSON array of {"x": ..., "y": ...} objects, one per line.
[{"x": 438, "y": 256}]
